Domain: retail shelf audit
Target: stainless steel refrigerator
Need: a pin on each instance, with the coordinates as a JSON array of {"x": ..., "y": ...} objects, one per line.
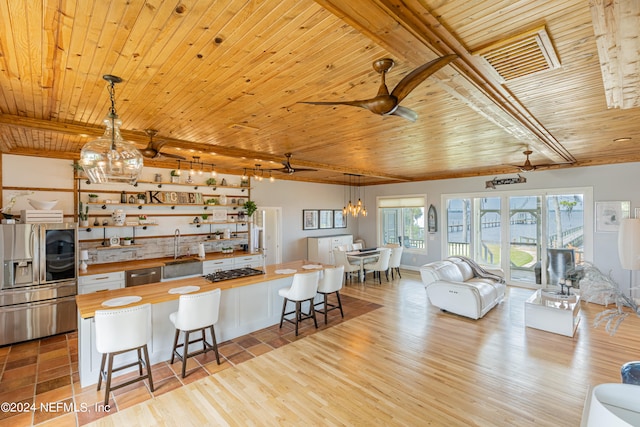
[{"x": 39, "y": 280}]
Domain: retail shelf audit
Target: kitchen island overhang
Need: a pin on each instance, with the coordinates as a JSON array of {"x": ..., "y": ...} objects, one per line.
[{"x": 246, "y": 305}]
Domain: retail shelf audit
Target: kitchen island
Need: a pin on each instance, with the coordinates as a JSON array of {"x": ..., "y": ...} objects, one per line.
[{"x": 246, "y": 305}]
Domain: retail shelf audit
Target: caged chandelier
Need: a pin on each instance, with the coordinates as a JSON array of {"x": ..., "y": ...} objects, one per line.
[{"x": 110, "y": 158}]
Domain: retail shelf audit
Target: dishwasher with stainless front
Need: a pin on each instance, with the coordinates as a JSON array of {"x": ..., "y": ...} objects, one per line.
[{"x": 143, "y": 276}]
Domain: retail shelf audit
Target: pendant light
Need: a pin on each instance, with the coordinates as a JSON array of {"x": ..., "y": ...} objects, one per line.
[
  {"x": 111, "y": 159},
  {"x": 358, "y": 208}
]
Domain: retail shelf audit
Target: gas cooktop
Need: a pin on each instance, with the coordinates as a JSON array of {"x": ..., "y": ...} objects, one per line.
[{"x": 236, "y": 273}]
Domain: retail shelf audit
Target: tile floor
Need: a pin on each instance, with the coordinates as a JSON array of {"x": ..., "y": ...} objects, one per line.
[{"x": 39, "y": 379}]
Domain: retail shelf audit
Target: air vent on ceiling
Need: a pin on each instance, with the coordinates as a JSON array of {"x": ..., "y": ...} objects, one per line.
[{"x": 521, "y": 55}]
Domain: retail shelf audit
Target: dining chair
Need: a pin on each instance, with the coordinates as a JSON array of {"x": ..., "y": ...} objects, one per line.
[
  {"x": 394, "y": 260},
  {"x": 196, "y": 313},
  {"x": 121, "y": 331},
  {"x": 330, "y": 283},
  {"x": 379, "y": 266},
  {"x": 303, "y": 288},
  {"x": 341, "y": 259}
]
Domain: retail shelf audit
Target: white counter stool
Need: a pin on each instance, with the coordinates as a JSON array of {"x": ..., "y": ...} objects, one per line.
[
  {"x": 303, "y": 288},
  {"x": 330, "y": 283},
  {"x": 121, "y": 331},
  {"x": 196, "y": 313}
]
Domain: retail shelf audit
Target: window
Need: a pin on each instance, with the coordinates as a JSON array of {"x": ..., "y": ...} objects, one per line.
[
  {"x": 402, "y": 221},
  {"x": 519, "y": 231}
]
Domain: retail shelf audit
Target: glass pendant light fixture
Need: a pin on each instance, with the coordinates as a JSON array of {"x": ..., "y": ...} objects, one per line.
[
  {"x": 111, "y": 159},
  {"x": 358, "y": 208}
]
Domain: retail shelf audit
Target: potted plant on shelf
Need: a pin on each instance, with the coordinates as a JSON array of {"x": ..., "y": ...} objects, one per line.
[
  {"x": 78, "y": 169},
  {"x": 126, "y": 241},
  {"x": 142, "y": 198},
  {"x": 93, "y": 198},
  {"x": 250, "y": 207},
  {"x": 205, "y": 217},
  {"x": 83, "y": 215},
  {"x": 175, "y": 176},
  {"x": 211, "y": 182},
  {"x": 211, "y": 201}
]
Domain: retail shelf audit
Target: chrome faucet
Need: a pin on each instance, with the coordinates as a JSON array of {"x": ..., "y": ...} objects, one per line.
[{"x": 176, "y": 243}]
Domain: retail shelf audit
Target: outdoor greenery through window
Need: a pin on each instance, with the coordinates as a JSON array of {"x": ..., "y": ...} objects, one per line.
[
  {"x": 522, "y": 233},
  {"x": 402, "y": 221}
]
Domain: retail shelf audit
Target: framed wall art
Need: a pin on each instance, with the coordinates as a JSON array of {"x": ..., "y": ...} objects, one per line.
[
  {"x": 326, "y": 218},
  {"x": 609, "y": 215},
  {"x": 432, "y": 220},
  {"x": 309, "y": 219},
  {"x": 339, "y": 219}
]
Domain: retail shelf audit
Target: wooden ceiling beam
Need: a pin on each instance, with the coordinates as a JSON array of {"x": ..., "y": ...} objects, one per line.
[
  {"x": 616, "y": 25},
  {"x": 76, "y": 129},
  {"x": 412, "y": 32}
]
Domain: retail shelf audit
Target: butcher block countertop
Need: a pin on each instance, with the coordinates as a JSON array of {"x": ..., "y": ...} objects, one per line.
[
  {"x": 155, "y": 293},
  {"x": 155, "y": 262}
]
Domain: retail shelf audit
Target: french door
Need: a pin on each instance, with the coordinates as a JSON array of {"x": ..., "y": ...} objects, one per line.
[{"x": 535, "y": 236}]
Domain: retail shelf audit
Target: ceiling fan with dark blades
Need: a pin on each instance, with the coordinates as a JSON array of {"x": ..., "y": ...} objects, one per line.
[
  {"x": 385, "y": 103},
  {"x": 530, "y": 167},
  {"x": 288, "y": 169},
  {"x": 152, "y": 150}
]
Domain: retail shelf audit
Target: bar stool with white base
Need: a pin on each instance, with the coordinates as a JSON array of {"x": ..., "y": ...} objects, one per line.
[
  {"x": 120, "y": 331},
  {"x": 196, "y": 313},
  {"x": 303, "y": 288},
  {"x": 330, "y": 283}
]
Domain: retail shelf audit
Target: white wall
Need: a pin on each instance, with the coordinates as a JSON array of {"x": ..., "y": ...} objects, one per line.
[
  {"x": 609, "y": 183},
  {"x": 612, "y": 182},
  {"x": 293, "y": 197}
]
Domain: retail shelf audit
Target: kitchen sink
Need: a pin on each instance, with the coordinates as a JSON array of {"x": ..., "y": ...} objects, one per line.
[
  {"x": 182, "y": 267},
  {"x": 182, "y": 261}
]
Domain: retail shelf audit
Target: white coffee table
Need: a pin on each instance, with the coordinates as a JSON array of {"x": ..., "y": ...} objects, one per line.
[{"x": 549, "y": 312}]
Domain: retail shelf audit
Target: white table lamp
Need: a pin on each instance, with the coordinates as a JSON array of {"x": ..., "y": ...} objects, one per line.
[{"x": 84, "y": 257}]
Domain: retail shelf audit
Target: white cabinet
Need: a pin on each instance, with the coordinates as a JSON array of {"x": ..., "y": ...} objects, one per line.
[
  {"x": 100, "y": 282},
  {"x": 212, "y": 266},
  {"x": 252, "y": 261},
  {"x": 320, "y": 249}
]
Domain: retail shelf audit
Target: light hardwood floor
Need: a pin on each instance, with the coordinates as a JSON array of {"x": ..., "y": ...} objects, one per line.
[{"x": 408, "y": 363}]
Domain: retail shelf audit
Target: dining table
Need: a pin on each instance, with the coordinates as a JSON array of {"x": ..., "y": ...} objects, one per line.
[{"x": 363, "y": 257}]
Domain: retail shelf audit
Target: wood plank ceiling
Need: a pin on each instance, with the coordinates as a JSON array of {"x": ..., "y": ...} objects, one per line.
[{"x": 223, "y": 80}]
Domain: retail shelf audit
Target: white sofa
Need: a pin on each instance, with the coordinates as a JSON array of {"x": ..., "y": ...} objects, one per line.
[{"x": 452, "y": 286}]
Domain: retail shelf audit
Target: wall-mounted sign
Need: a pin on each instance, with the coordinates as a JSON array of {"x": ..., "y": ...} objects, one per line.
[{"x": 502, "y": 181}]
